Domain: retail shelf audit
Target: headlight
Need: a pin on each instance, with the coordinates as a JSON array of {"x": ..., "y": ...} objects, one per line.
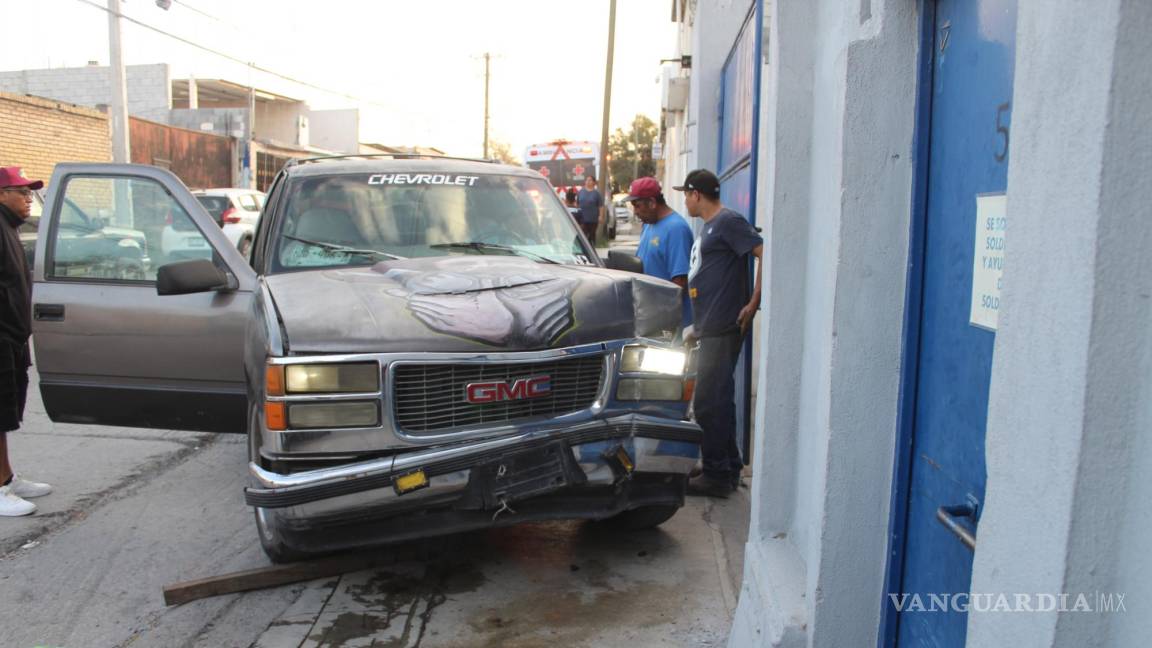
[
  {"x": 332, "y": 415},
  {"x": 649, "y": 389},
  {"x": 644, "y": 359},
  {"x": 332, "y": 378}
]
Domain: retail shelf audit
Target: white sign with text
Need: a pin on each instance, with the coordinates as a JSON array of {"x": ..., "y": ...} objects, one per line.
[{"x": 988, "y": 259}]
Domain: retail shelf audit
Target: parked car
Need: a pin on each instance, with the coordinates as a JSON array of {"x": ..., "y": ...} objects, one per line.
[
  {"x": 414, "y": 348},
  {"x": 236, "y": 211},
  {"x": 622, "y": 209},
  {"x": 122, "y": 252}
]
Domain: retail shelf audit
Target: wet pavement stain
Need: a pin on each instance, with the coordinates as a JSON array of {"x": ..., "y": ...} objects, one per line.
[
  {"x": 569, "y": 616},
  {"x": 399, "y": 606},
  {"x": 350, "y": 626},
  {"x": 536, "y": 584}
]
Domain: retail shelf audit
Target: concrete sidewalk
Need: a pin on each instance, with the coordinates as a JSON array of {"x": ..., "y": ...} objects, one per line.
[{"x": 135, "y": 510}]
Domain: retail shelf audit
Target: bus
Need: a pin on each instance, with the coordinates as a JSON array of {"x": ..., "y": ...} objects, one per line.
[{"x": 565, "y": 164}]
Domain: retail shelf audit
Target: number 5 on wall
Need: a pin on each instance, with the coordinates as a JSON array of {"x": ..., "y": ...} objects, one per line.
[{"x": 1002, "y": 128}]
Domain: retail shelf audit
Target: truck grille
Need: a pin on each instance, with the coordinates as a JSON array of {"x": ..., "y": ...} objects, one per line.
[{"x": 429, "y": 397}]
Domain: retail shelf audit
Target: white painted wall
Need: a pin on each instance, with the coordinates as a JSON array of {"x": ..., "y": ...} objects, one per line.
[
  {"x": 675, "y": 153},
  {"x": 149, "y": 87},
  {"x": 836, "y": 180},
  {"x": 1069, "y": 460}
]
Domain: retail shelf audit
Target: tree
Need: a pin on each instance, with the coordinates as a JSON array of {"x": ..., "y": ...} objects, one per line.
[
  {"x": 502, "y": 151},
  {"x": 630, "y": 153}
]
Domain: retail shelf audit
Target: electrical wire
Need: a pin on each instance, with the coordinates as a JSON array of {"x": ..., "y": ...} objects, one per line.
[
  {"x": 235, "y": 59},
  {"x": 205, "y": 14}
]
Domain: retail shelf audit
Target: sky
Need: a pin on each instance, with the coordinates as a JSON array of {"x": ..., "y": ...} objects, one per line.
[{"x": 415, "y": 67}]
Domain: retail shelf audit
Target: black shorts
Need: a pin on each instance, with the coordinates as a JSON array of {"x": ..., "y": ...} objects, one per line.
[{"x": 14, "y": 363}]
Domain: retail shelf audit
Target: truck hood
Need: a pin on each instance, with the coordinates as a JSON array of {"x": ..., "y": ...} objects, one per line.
[{"x": 468, "y": 304}]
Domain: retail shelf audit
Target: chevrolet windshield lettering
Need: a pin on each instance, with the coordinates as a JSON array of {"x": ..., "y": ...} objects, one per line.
[{"x": 414, "y": 347}]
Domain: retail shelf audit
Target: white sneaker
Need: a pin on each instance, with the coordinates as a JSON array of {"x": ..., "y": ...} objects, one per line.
[
  {"x": 12, "y": 505},
  {"x": 28, "y": 489}
]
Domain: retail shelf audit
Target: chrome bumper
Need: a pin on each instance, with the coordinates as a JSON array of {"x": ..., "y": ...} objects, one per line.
[{"x": 655, "y": 445}]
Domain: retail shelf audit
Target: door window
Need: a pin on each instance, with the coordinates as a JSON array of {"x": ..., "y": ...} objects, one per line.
[{"x": 120, "y": 229}]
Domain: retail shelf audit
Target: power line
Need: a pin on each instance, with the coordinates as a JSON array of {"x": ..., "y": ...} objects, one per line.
[
  {"x": 234, "y": 59},
  {"x": 205, "y": 14}
]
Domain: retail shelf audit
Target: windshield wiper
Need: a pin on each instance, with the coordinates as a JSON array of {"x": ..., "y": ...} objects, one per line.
[
  {"x": 335, "y": 247},
  {"x": 481, "y": 246}
]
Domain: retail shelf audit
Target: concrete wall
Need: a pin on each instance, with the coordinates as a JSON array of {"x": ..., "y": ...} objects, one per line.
[
  {"x": 836, "y": 207},
  {"x": 149, "y": 87},
  {"x": 226, "y": 122},
  {"x": 277, "y": 121},
  {"x": 335, "y": 130},
  {"x": 39, "y": 133},
  {"x": 1069, "y": 460}
]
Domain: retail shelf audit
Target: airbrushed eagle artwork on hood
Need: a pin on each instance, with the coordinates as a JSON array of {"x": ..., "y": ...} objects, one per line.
[{"x": 501, "y": 304}]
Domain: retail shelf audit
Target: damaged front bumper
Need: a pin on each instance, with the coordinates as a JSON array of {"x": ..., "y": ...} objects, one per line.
[{"x": 589, "y": 470}]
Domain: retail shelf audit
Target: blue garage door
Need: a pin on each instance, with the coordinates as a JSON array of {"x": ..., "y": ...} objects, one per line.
[
  {"x": 739, "y": 110},
  {"x": 973, "y": 54}
]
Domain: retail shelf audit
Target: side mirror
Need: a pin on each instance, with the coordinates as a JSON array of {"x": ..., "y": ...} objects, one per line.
[
  {"x": 625, "y": 260},
  {"x": 185, "y": 277}
]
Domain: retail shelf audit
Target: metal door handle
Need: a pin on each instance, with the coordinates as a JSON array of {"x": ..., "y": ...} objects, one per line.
[
  {"x": 48, "y": 312},
  {"x": 949, "y": 517}
]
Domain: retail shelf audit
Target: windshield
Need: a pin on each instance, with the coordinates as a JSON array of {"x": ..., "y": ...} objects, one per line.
[{"x": 360, "y": 219}]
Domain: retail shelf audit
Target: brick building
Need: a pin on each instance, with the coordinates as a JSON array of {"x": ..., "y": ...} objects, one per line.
[{"x": 38, "y": 133}]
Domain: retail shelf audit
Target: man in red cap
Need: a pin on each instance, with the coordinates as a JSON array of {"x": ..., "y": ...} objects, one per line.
[
  {"x": 15, "y": 329},
  {"x": 665, "y": 240}
]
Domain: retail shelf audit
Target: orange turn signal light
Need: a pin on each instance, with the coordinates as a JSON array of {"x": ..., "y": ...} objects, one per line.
[
  {"x": 274, "y": 380},
  {"x": 276, "y": 416},
  {"x": 689, "y": 389}
]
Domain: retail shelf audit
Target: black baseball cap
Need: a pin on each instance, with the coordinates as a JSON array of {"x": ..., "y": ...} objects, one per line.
[{"x": 701, "y": 180}]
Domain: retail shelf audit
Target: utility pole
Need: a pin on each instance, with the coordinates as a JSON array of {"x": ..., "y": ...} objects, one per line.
[
  {"x": 118, "y": 106},
  {"x": 487, "y": 60},
  {"x": 636, "y": 150},
  {"x": 602, "y": 231}
]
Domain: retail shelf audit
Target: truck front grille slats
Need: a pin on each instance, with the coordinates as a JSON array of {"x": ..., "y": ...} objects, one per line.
[{"x": 431, "y": 397}]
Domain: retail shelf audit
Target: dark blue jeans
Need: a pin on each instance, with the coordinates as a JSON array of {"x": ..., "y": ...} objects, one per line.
[{"x": 715, "y": 404}]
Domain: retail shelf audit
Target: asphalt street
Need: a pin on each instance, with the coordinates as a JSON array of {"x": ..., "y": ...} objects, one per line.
[{"x": 135, "y": 510}]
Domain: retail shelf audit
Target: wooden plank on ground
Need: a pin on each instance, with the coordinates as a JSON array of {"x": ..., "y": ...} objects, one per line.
[{"x": 270, "y": 576}]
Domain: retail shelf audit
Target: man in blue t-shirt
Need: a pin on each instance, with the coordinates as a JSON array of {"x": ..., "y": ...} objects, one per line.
[
  {"x": 665, "y": 241},
  {"x": 591, "y": 204},
  {"x": 722, "y": 311}
]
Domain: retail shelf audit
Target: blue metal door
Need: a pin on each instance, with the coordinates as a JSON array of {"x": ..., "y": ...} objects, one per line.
[
  {"x": 973, "y": 51},
  {"x": 739, "y": 130}
]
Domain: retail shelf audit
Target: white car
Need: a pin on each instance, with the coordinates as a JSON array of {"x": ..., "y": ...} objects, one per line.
[{"x": 236, "y": 211}]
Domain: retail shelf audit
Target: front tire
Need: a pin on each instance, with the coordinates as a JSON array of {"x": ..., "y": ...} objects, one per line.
[{"x": 271, "y": 540}]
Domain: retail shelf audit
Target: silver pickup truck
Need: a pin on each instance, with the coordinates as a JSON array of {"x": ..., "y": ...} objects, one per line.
[{"x": 415, "y": 347}]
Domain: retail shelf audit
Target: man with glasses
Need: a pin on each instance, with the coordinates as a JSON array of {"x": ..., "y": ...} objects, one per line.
[
  {"x": 15, "y": 329},
  {"x": 665, "y": 241},
  {"x": 722, "y": 311}
]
